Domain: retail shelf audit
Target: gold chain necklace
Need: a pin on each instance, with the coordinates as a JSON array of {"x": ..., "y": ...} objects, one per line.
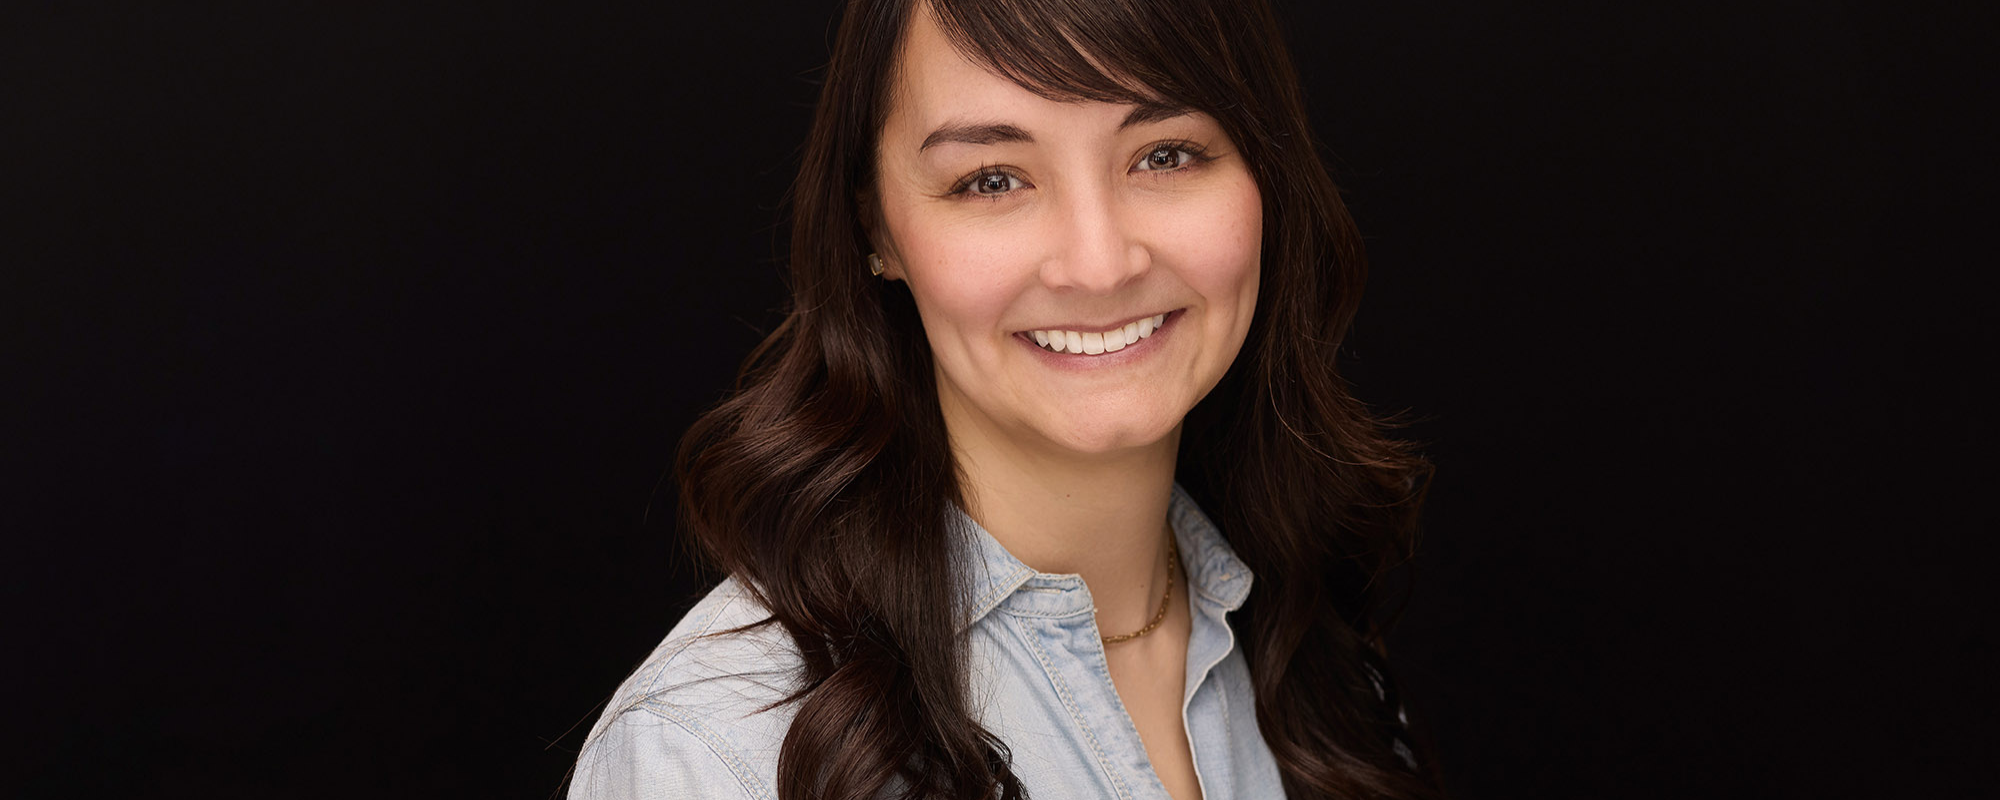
[{"x": 1173, "y": 559}]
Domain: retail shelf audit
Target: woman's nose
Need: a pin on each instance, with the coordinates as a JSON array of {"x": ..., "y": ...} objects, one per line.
[{"x": 1098, "y": 246}]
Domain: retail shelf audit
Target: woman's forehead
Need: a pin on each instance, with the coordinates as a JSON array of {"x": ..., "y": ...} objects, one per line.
[
  {"x": 938, "y": 88},
  {"x": 934, "y": 79}
]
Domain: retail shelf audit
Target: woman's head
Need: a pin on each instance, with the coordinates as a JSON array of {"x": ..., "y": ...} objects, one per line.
[
  {"x": 1054, "y": 166},
  {"x": 1043, "y": 240}
]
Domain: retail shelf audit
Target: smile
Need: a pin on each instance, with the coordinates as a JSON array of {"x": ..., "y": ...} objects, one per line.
[{"x": 1099, "y": 342}]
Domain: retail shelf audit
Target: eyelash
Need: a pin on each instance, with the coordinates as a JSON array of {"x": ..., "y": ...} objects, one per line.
[{"x": 1197, "y": 155}]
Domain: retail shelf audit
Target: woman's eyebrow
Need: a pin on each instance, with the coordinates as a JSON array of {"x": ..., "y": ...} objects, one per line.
[
  {"x": 976, "y": 133},
  {"x": 998, "y": 132},
  {"x": 1153, "y": 112}
]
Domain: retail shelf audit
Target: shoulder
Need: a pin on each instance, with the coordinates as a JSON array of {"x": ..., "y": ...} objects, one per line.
[{"x": 701, "y": 717}]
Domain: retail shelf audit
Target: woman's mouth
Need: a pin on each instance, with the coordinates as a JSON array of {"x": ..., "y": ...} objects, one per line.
[{"x": 1095, "y": 343}]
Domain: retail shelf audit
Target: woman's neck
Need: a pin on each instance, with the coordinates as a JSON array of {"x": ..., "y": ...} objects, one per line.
[{"x": 1103, "y": 518}]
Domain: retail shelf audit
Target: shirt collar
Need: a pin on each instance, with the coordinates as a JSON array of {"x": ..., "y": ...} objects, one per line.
[{"x": 1219, "y": 579}]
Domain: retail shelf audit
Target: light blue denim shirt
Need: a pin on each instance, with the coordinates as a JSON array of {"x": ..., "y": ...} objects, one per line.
[{"x": 691, "y": 723}]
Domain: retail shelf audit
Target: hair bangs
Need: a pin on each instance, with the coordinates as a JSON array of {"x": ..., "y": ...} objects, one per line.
[{"x": 1110, "y": 51}]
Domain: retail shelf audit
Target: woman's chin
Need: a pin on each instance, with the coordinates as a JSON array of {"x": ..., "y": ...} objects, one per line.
[{"x": 1110, "y": 437}]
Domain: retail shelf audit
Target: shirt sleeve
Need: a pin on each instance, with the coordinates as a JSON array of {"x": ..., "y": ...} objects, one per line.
[{"x": 644, "y": 754}]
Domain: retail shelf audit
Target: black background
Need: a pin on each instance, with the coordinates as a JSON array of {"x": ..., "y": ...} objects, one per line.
[{"x": 347, "y": 344}]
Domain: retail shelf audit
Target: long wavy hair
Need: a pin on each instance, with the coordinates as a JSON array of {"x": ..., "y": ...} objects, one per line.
[{"x": 826, "y": 481}]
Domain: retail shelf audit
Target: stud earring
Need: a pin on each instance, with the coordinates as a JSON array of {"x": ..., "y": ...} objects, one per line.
[{"x": 874, "y": 264}]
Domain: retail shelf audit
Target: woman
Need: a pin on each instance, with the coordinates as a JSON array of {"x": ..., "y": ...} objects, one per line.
[{"x": 1060, "y": 267}]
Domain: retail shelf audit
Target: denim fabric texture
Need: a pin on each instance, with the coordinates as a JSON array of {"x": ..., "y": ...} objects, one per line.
[{"x": 693, "y": 721}]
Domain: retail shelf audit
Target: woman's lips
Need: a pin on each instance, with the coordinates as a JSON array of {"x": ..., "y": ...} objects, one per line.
[
  {"x": 1098, "y": 342},
  {"x": 1076, "y": 348}
]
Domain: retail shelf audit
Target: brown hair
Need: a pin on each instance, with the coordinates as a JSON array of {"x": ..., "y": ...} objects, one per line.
[{"x": 827, "y": 482}]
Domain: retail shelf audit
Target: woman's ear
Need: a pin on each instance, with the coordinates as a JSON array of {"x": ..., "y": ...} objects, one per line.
[
  {"x": 892, "y": 267},
  {"x": 870, "y": 212}
]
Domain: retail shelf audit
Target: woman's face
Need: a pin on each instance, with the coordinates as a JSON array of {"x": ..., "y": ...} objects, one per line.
[{"x": 1015, "y": 219}]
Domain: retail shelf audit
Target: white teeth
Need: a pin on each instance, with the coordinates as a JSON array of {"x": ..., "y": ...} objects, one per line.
[{"x": 1110, "y": 341}]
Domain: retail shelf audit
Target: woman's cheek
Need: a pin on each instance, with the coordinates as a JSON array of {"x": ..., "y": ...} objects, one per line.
[
  {"x": 1224, "y": 241},
  {"x": 963, "y": 288},
  {"x": 983, "y": 269}
]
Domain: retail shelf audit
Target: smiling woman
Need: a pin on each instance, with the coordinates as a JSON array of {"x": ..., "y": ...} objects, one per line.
[
  {"x": 1065, "y": 273},
  {"x": 1009, "y": 213}
]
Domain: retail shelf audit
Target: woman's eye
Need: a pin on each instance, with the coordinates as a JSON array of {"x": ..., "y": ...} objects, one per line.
[
  {"x": 1165, "y": 157},
  {"x": 993, "y": 183}
]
